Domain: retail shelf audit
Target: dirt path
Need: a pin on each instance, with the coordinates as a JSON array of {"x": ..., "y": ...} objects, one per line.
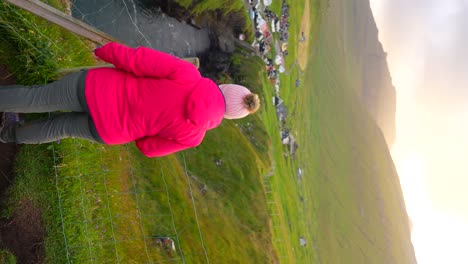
[
  {"x": 303, "y": 47},
  {"x": 22, "y": 234}
]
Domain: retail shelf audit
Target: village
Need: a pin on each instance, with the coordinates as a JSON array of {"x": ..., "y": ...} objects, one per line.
[{"x": 268, "y": 25}]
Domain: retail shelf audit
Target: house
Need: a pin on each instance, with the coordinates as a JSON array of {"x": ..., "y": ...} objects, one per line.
[
  {"x": 284, "y": 47},
  {"x": 302, "y": 242},
  {"x": 299, "y": 174},
  {"x": 262, "y": 27},
  {"x": 277, "y": 101},
  {"x": 279, "y": 60},
  {"x": 275, "y": 26},
  {"x": 281, "y": 111},
  {"x": 298, "y": 82},
  {"x": 291, "y": 143},
  {"x": 293, "y": 148},
  {"x": 281, "y": 69},
  {"x": 267, "y": 35}
]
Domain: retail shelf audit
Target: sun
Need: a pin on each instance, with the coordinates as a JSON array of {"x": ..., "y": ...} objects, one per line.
[
  {"x": 410, "y": 166},
  {"x": 437, "y": 236},
  {"x": 440, "y": 238}
]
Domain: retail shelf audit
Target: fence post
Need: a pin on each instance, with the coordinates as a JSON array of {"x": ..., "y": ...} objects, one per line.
[
  {"x": 63, "y": 72},
  {"x": 65, "y": 21}
]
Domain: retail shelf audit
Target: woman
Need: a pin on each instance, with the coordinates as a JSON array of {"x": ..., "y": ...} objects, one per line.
[{"x": 150, "y": 97}]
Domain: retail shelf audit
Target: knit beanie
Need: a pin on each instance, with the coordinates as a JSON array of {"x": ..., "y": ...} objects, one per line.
[{"x": 239, "y": 101}]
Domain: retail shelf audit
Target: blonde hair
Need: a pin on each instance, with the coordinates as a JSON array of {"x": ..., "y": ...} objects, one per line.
[{"x": 251, "y": 102}]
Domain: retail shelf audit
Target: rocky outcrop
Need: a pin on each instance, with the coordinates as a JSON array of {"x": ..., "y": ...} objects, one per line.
[{"x": 215, "y": 63}]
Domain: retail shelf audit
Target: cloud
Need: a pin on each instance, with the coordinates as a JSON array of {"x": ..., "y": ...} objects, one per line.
[
  {"x": 403, "y": 24},
  {"x": 446, "y": 61},
  {"x": 427, "y": 43}
]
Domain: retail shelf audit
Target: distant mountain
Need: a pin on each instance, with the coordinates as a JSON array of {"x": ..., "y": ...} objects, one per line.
[{"x": 378, "y": 92}]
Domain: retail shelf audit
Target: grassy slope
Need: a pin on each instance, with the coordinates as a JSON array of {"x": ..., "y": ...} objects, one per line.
[
  {"x": 352, "y": 209},
  {"x": 374, "y": 198},
  {"x": 289, "y": 218},
  {"x": 345, "y": 202},
  {"x": 104, "y": 203},
  {"x": 205, "y": 7},
  {"x": 34, "y": 49},
  {"x": 112, "y": 200}
]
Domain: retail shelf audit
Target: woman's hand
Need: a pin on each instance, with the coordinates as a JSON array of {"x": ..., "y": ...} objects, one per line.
[{"x": 94, "y": 53}]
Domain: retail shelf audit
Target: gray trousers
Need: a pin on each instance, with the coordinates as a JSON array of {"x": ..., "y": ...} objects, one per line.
[{"x": 61, "y": 95}]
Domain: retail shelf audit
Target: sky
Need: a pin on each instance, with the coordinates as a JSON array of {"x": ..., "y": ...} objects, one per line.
[{"x": 427, "y": 46}]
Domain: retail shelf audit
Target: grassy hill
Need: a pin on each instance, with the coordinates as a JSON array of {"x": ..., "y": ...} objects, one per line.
[
  {"x": 106, "y": 204},
  {"x": 236, "y": 198},
  {"x": 349, "y": 204},
  {"x": 376, "y": 89}
]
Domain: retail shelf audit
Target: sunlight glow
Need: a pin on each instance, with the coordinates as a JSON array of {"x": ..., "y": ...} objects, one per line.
[
  {"x": 410, "y": 168},
  {"x": 440, "y": 238},
  {"x": 431, "y": 137},
  {"x": 437, "y": 236}
]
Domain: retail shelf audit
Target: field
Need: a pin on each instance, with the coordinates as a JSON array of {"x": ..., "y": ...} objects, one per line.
[
  {"x": 236, "y": 198},
  {"x": 112, "y": 210},
  {"x": 309, "y": 19},
  {"x": 348, "y": 205}
]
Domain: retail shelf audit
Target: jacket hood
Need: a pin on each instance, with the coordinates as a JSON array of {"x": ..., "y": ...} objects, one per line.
[{"x": 205, "y": 106}]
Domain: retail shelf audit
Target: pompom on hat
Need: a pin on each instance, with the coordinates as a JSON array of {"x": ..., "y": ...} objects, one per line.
[{"x": 239, "y": 101}]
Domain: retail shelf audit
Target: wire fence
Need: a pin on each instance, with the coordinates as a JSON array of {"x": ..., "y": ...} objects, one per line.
[
  {"x": 113, "y": 208},
  {"x": 141, "y": 22},
  {"x": 93, "y": 227},
  {"x": 109, "y": 233}
]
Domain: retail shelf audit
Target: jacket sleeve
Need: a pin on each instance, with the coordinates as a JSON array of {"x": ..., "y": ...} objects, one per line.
[
  {"x": 144, "y": 62},
  {"x": 157, "y": 147}
]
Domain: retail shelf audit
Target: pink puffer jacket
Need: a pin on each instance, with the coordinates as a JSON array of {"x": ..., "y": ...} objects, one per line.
[{"x": 153, "y": 98}]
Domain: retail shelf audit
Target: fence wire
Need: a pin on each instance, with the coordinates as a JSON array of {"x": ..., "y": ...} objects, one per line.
[
  {"x": 97, "y": 223},
  {"x": 93, "y": 227},
  {"x": 127, "y": 228}
]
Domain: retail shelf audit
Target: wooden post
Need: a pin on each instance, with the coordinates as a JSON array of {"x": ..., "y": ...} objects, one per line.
[
  {"x": 246, "y": 46},
  {"x": 72, "y": 24},
  {"x": 62, "y": 72},
  {"x": 67, "y": 22}
]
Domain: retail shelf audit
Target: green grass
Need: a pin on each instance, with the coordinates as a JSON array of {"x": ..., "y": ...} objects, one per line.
[
  {"x": 105, "y": 203},
  {"x": 34, "y": 49},
  {"x": 220, "y": 10},
  {"x": 289, "y": 221},
  {"x": 226, "y": 6},
  {"x": 352, "y": 207},
  {"x": 113, "y": 200},
  {"x": 35, "y": 182},
  {"x": 6, "y": 257},
  {"x": 296, "y": 11}
]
